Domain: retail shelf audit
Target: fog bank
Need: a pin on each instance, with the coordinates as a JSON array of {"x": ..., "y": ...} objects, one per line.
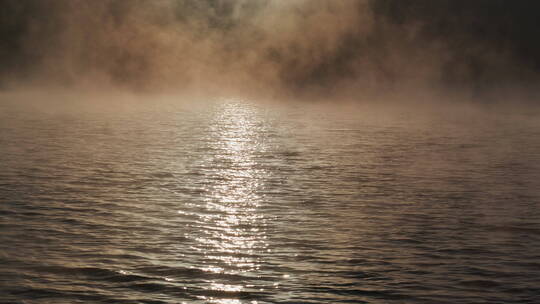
[{"x": 304, "y": 49}]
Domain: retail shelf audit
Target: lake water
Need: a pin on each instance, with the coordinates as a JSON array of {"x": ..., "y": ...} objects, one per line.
[{"x": 234, "y": 202}]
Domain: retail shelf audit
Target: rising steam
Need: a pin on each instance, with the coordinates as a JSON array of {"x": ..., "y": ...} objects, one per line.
[{"x": 299, "y": 47}]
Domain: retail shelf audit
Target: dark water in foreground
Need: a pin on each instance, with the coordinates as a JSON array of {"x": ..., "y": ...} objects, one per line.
[{"x": 236, "y": 203}]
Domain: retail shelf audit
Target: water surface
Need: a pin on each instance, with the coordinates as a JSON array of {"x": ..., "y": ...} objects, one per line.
[{"x": 234, "y": 202}]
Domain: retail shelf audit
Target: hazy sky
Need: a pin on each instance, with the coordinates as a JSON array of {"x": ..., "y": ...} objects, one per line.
[{"x": 301, "y": 47}]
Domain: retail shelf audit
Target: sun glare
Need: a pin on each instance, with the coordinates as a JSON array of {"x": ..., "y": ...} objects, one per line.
[{"x": 234, "y": 228}]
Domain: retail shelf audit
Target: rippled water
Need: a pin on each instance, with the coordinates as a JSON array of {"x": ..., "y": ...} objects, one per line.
[{"x": 233, "y": 202}]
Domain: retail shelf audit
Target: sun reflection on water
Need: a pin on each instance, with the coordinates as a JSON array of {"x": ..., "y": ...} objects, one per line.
[{"x": 233, "y": 237}]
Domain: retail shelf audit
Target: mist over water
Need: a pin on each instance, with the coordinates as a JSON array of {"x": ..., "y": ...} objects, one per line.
[
  {"x": 308, "y": 49},
  {"x": 255, "y": 151}
]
